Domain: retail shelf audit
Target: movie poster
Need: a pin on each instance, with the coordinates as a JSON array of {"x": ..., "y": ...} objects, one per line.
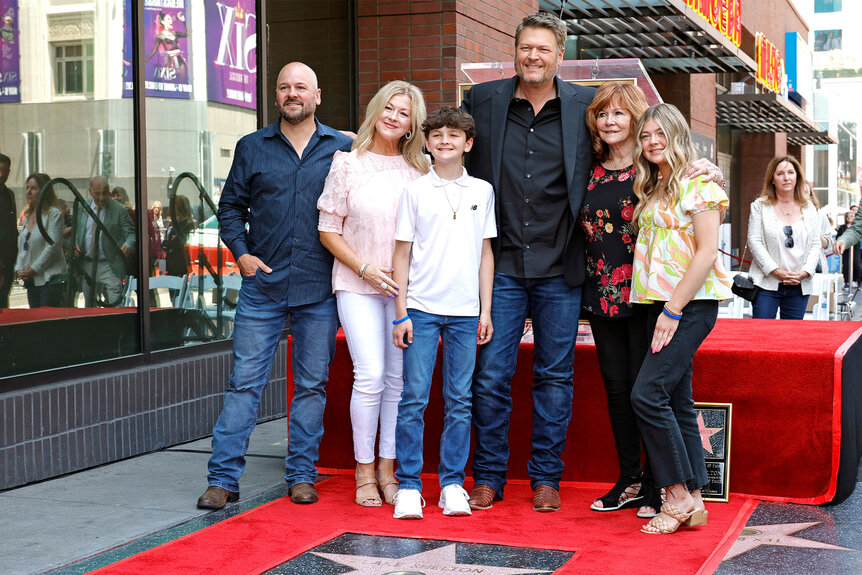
[
  {"x": 232, "y": 52},
  {"x": 166, "y": 47},
  {"x": 10, "y": 67},
  {"x": 128, "y": 85}
]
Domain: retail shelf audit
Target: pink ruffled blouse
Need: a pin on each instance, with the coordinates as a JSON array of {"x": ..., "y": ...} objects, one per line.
[{"x": 360, "y": 202}]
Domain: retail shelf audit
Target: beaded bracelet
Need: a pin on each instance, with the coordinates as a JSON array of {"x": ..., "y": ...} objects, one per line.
[
  {"x": 402, "y": 320},
  {"x": 670, "y": 314}
]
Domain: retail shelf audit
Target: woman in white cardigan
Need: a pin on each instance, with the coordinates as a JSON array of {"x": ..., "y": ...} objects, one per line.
[{"x": 784, "y": 241}]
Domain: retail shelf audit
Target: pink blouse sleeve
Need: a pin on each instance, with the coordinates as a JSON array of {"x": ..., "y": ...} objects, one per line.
[{"x": 333, "y": 201}]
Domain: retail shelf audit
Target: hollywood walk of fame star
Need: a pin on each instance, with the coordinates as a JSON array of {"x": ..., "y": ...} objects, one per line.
[
  {"x": 440, "y": 560},
  {"x": 754, "y": 536},
  {"x": 706, "y": 432}
]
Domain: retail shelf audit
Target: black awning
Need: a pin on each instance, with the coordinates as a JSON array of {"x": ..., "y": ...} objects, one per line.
[
  {"x": 768, "y": 113},
  {"x": 811, "y": 138},
  {"x": 666, "y": 35}
]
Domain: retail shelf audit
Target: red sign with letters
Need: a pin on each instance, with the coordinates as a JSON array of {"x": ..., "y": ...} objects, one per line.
[
  {"x": 724, "y": 15},
  {"x": 770, "y": 63}
]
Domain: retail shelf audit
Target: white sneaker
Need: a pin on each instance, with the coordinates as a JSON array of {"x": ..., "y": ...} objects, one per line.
[
  {"x": 408, "y": 504},
  {"x": 454, "y": 501}
]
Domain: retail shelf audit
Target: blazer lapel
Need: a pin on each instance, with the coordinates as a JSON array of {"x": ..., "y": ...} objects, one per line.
[
  {"x": 571, "y": 116},
  {"x": 499, "y": 112}
]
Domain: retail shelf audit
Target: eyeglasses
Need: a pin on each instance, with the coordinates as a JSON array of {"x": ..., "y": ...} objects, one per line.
[
  {"x": 27, "y": 240},
  {"x": 788, "y": 240}
]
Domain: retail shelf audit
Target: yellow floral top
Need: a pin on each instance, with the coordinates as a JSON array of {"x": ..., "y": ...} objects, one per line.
[{"x": 666, "y": 245}]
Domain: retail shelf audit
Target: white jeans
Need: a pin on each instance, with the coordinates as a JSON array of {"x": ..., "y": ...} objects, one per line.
[{"x": 367, "y": 323}]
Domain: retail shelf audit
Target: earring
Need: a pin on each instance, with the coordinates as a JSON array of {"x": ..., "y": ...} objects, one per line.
[{"x": 408, "y": 135}]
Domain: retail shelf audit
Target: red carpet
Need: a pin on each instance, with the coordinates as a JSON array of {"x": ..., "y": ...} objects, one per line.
[{"x": 265, "y": 537}]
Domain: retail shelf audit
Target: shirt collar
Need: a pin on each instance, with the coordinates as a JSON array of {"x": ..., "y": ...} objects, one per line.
[
  {"x": 274, "y": 129},
  {"x": 518, "y": 81},
  {"x": 439, "y": 182}
]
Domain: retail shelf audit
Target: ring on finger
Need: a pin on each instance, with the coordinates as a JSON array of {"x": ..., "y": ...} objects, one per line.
[{"x": 384, "y": 285}]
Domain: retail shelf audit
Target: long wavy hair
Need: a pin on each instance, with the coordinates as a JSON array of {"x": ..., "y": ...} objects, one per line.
[
  {"x": 627, "y": 96},
  {"x": 410, "y": 148},
  {"x": 679, "y": 153},
  {"x": 50, "y": 200},
  {"x": 768, "y": 192}
]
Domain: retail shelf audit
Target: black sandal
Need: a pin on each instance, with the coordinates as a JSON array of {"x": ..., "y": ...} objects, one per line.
[
  {"x": 651, "y": 497},
  {"x": 618, "y": 497}
]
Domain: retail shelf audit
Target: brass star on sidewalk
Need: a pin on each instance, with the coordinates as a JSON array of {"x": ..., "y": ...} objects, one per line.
[
  {"x": 754, "y": 536},
  {"x": 706, "y": 432},
  {"x": 441, "y": 560}
]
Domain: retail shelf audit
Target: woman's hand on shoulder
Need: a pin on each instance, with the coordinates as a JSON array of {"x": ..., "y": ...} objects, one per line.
[{"x": 708, "y": 172}]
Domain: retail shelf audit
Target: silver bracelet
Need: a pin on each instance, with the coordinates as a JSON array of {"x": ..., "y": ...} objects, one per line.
[{"x": 362, "y": 269}]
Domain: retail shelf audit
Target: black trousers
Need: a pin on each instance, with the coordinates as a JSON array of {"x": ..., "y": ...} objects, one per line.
[
  {"x": 621, "y": 344},
  {"x": 662, "y": 399}
]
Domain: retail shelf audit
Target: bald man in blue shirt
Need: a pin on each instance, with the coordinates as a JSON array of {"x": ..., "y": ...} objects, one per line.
[{"x": 276, "y": 177}]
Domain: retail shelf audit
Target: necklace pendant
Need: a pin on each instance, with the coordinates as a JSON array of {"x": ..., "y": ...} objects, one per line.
[{"x": 454, "y": 216}]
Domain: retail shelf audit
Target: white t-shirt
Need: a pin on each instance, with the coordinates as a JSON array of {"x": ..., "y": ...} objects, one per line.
[{"x": 447, "y": 222}]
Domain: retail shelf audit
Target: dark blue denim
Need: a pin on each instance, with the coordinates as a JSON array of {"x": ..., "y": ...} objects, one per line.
[
  {"x": 257, "y": 330},
  {"x": 788, "y": 298},
  {"x": 662, "y": 398},
  {"x": 554, "y": 307}
]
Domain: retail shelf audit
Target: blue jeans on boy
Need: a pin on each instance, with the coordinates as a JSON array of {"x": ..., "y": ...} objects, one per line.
[
  {"x": 459, "y": 358},
  {"x": 257, "y": 330},
  {"x": 554, "y": 307}
]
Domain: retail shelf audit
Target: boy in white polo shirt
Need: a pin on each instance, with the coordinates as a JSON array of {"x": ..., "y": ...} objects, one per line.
[{"x": 444, "y": 265}]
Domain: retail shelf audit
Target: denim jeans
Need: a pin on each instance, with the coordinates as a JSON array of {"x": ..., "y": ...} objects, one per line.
[
  {"x": 788, "y": 298},
  {"x": 662, "y": 399},
  {"x": 257, "y": 330},
  {"x": 459, "y": 358},
  {"x": 554, "y": 307}
]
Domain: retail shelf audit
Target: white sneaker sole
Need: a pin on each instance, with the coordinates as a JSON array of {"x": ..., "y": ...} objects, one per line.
[{"x": 408, "y": 516}]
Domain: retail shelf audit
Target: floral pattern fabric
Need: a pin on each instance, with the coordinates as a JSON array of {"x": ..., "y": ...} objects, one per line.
[
  {"x": 665, "y": 245},
  {"x": 606, "y": 220}
]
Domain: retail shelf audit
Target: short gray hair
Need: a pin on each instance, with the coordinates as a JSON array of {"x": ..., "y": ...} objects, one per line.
[{"x": 547, "y": 21}]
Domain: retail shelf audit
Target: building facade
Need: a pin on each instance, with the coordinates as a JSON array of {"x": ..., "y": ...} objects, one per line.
[{"x": 154, "y": 94}]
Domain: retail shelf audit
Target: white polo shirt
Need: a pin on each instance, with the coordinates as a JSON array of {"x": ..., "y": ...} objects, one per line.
[{"x": 446, "y": 221}]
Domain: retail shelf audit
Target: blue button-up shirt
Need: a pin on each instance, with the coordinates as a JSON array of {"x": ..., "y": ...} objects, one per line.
[{"x": 275, "y": 191}]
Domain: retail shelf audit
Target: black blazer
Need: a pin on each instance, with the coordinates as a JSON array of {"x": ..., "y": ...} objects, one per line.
[{"x": 488, "y": 103}]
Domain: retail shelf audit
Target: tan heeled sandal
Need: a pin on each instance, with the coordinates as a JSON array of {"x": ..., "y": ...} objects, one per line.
[
  {"x": 366, "y": 492},
  {"x": 671, "y": 517},
  {"x": 389, "y": 487}
]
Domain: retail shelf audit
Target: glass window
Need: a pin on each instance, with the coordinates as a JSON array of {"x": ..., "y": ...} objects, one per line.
[
  {"x": 825, "y": 40},
  {"x": 822, "y": 6},
  {"x": 73, "y": 68}
]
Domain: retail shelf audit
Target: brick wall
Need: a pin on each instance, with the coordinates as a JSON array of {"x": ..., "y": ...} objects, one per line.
[
  {"x": 425, "y": 42},
  {"x": 694, "y": 95}
]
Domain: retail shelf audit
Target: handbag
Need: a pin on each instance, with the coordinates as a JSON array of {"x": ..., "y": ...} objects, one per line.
[{"x": 743, "y": 286}]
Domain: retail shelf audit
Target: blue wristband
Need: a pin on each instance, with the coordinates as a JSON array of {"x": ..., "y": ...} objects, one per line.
[
  {"x": 402, "y": 320},
  {"x": 665, "y": 311}
]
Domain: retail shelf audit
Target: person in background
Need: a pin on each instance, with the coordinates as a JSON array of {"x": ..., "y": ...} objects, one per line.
[
  {"x": 158, "y": 221},
  {"x": 358, "y": 210},
  {"x": 784, "y": 240},
  {"x": 827, "y": 239},
  {"x": 849, "y": 235},
  {"x": 678, "y": 273},
  {"x": 8, "y": 232},
  {"x": 40, "y": 264},
  {"x": 177, "y": 259}
]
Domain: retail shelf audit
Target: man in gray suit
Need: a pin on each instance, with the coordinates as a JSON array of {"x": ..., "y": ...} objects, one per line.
[{"x": 103, "y": 266}]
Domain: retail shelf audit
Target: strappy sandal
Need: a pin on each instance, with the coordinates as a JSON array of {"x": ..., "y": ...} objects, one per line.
[
  {"x": 651, "y": 498},
  {"x": 389, "y": 487},
  {"x": 670, "y": 518},
  {"x": 621, "y": 496},
  {"x": 367, "y": 496}
]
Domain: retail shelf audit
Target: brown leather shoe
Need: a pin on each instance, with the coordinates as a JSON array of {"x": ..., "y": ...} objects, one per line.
[
  {"x": 216, "y": 497},
  {"x": 303, "y": 493},
  {"x": 482, "y": 497},
  {"x": 546, "y": 499}
]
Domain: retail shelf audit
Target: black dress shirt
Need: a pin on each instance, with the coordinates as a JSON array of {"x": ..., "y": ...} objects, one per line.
[
  {"x": 275, "y": 191},
  {"x": 535, "y": 219}
]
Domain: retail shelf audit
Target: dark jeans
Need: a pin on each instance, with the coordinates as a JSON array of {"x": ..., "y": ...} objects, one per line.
[
  {"x": 662, "y": 399},
  {"x": 788, "y": 298},
  {"x": 45, "y": 295},
  {"x": 621, "y": 344},
  {"x": 554, "y": 308}
]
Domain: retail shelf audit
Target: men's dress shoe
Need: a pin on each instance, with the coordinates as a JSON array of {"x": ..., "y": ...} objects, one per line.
[
  {"x": 303, "y": 493},
  {"x": 216, "y": 497},
  {"x": 482, "y": 497},
  {"x": 546, "y": 499}
]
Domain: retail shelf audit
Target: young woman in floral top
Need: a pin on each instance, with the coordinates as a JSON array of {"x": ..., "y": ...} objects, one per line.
[
  {"x": 619, "y": 329},
  {"x": 678, "y": 273}
]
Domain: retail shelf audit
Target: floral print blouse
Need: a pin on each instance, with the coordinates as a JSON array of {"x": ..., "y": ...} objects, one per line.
[
  {"x": 665, "y": 245},
  {"x": 606, "y": 220}
]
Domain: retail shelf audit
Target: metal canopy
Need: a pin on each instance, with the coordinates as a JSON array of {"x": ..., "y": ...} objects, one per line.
[
  {"x": 811, "y": 138},
  {"x": 768, "y": 113},
  {"x": 666, "y": 35}
]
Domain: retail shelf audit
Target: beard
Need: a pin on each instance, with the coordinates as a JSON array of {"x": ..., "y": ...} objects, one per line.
[{"x": 293, "y": 116}]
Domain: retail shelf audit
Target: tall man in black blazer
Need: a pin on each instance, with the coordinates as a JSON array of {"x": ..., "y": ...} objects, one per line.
[{"x": 533, "y": 145}]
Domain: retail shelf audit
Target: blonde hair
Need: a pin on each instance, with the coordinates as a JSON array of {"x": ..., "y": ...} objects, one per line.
[
  {"x": 768, "y": 192},
  {"x": 410, "y": 148},
  {"x": 627, "y": 96},
  {"x": 679, "y": 153}
]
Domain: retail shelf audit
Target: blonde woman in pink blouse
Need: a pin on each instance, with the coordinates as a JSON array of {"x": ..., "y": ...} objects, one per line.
[{"x": 358, "y": 209}]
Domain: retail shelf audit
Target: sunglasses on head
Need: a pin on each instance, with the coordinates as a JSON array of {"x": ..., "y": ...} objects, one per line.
[{"x": 788, "y": 240}]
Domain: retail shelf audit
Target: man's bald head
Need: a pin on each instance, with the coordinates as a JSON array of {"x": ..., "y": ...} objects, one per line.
[
  {"x": 99, "y": 190},
  {"x": 297, "y": 70},
  {"x": 296, "y": 93}
]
